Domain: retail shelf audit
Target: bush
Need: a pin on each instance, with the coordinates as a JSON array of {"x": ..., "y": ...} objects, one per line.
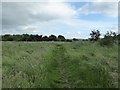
[
  {"x": 68, "y": 40},
  {"x": 107, "y": 41},
  {"x": 74, "y": 39}
]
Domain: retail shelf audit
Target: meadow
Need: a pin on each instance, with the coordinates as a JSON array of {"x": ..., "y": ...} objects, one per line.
[{"x": 59, "y": 65}]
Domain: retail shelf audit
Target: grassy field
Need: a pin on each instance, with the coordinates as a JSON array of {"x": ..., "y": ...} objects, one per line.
[
  {"x": 59, "y": 65},
  {"x": 0, "y": 65}
]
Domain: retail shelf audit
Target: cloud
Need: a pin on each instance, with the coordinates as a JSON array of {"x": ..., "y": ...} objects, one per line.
[
  {"x": 77, "y": 28},
  {"x": 21, "y": 14},
  {"x": 104, "y": 0},
  {"x": 73, "y": 34},
  {"x": 52, "y": 18},
  {"x": 84, "y": 27},
  {"x": 103, "y": 8},
  {"x": 60, "y": 0}
]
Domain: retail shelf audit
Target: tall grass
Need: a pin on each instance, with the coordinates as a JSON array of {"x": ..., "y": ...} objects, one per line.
[
  {"x": 59, "y": 65},
  {"x": 0, "y": 65}
]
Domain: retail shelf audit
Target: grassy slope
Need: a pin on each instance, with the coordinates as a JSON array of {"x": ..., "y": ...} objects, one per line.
[
  {"x": 0, "y": 64},
  {"x": 48, "y": 64}
]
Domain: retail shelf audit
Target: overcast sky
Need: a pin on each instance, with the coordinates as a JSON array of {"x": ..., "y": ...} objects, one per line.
[{"x": 71, "y": 19}]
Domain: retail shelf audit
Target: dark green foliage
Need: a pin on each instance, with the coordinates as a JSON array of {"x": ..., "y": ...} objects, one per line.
[
  {"x": 27, "y": 37},
  {"x": 95, "y": 35},
  {"x": 52, "y": 38},
  {"x": 7, "y": 37},
  {"x": 118, "y": 38},
  {"x": 74, "y": 39},
  {"x": 0, "y": 38},
  {"x": 61, "y": 38},
  {"x": 84, "y": 57},
  {"x": 45, "y": 38},
  {"x": 92, "y": 54},
  {"x": 17, "y": 37},
  {"x": 109, "y": 39},
  {"x": 68, "y": 40},
  {"x": 85, "y": 40}
]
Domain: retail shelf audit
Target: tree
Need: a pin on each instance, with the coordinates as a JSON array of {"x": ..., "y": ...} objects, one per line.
[
  {"x": 7, "y": 37},
  {"x": 30, "y": 37},
  {"x": 40, "y": 38},
  {"x": 25, "y": 37},
  {"x": 95, "y": 35},
  {"x": 52, "y": 38},
  {"x": 17, "y": 37},
  {"x": 45, "y": 38},
  {"x": 61, "y": 38},
  {"x": 111, "y": 34},
  {"x": 74, "y": 39}
]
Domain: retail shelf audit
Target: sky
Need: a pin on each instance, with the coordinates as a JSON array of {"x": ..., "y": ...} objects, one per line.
[{"x": 71, "y": 19}]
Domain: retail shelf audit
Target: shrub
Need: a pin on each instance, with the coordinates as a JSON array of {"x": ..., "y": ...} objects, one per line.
[
  {"x": 74, "y": 39},
  {"x": 68, "y": 40},
  {"x": 107, "y": 41}
]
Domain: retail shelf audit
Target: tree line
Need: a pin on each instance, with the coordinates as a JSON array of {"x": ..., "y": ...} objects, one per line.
[
  {"x": 27, "y": 37},
  {"x": 108, "y": 38}
]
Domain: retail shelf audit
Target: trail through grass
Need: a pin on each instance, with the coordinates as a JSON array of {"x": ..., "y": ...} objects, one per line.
[
  {"x": 58, "y": 65},
  {"x": 59, "y": 59},
  {"x": 65, "y": 71}
]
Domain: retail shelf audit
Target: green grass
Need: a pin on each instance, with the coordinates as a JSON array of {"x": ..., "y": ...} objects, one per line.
[
  {"x": 0, "y": 65},
  {"x": 59, "y": 65}
]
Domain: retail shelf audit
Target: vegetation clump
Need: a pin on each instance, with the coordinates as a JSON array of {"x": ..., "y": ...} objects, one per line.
[{"x": 109, "y": 39}]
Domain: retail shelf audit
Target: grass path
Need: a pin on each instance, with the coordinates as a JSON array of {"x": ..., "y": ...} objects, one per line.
[
  {"x": 58, "y": 65},
  {"x": 63, "y": 81},
  {"x": 58, "y": 55},
  {"x": 66, "y": 73}
]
